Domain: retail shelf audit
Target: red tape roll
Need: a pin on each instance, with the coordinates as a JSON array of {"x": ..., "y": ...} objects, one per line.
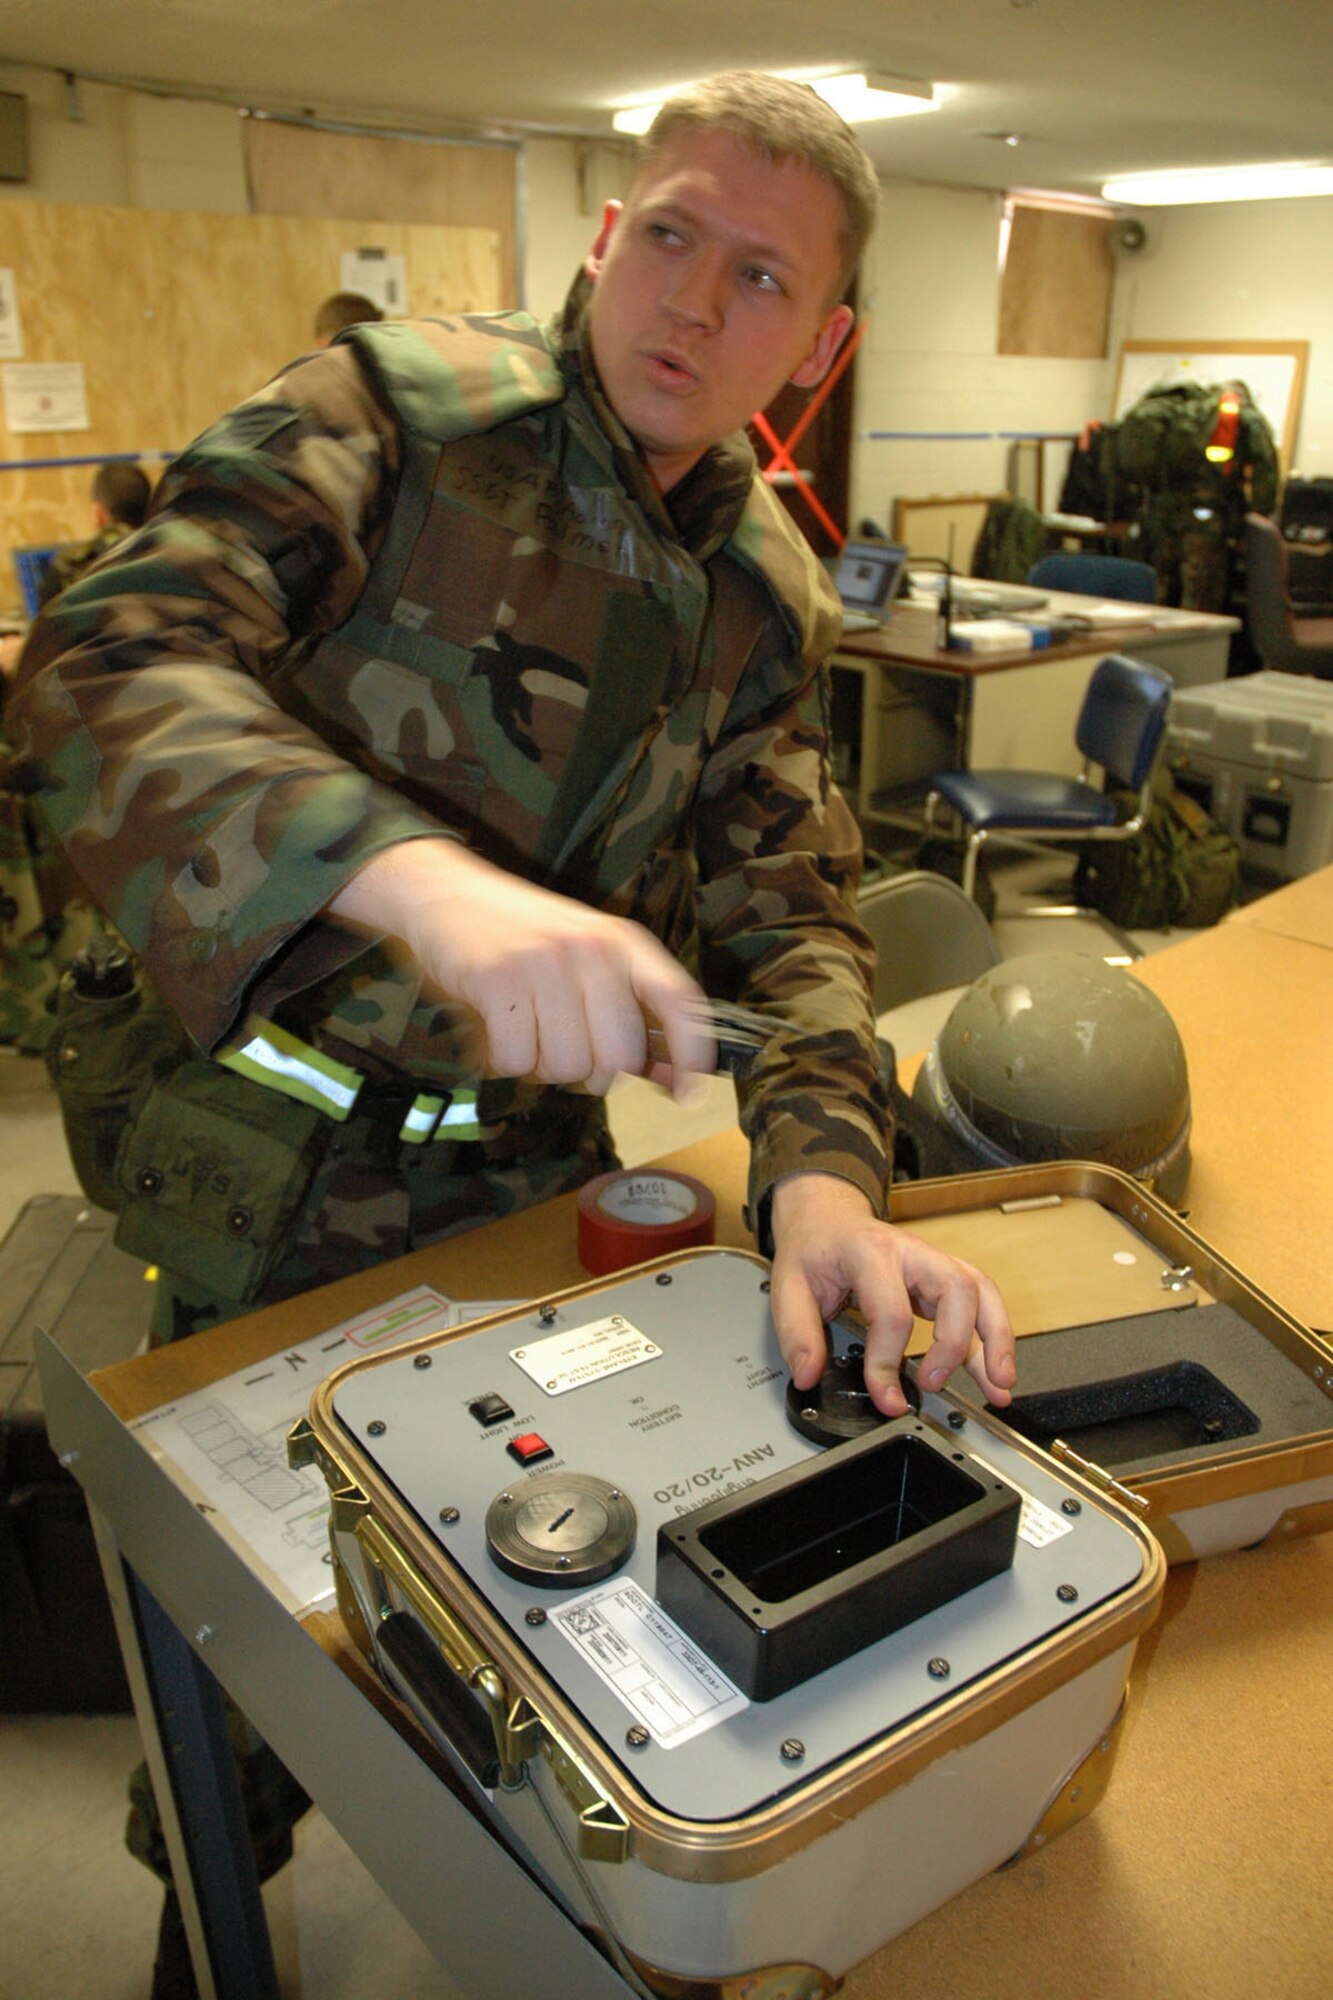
[{"x": 627, "y": 1218}]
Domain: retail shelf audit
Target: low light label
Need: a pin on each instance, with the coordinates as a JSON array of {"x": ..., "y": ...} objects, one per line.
[
  {"x": 659, "y": 1673},
  {"x": 584, "y": 1354}
]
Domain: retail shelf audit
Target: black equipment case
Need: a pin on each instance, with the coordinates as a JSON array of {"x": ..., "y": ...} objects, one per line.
[{"x": 59, "y": 1271}]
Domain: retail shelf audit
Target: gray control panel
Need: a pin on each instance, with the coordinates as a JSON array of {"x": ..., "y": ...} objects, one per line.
[{"x": 544, "y": 1453}]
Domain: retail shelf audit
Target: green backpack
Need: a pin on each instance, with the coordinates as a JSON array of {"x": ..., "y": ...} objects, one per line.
[
  {"x": 1161, "y": 441},
  {"x": 1179, "y": 869}
]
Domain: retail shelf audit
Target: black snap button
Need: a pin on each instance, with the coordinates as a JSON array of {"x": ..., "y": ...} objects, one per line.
[
  {"x": 149, "y": 1180},
  {"x": 238, "y": 1221}
]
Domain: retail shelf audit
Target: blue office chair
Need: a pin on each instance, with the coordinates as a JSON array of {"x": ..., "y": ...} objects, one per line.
[
  {"x": 30, "y": 567},
  {"x": 1120, "y": 728},
  {"x": 1097, "y": 576}
]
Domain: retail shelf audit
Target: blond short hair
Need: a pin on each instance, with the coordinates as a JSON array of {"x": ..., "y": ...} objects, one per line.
[{"x": 786, "y": 121}]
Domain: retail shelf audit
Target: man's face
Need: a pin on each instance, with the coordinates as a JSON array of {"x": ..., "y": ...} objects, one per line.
[{"x": 711, "y": 289}]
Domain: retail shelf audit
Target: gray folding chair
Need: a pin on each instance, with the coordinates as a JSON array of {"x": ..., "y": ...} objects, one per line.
[{"x": 928, "y": 936}]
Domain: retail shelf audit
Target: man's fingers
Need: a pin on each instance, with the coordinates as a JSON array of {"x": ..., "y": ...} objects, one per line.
[
  {"x": 799, "y": 1325},
  {"x": 971, "y": 1327}
]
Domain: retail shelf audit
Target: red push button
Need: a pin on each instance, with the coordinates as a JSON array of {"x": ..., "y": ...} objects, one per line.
[{"x": 529, "y": 1449}]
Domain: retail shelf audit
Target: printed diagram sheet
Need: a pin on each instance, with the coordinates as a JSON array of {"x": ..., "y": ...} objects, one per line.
[{"x": 227, "y": 1444}]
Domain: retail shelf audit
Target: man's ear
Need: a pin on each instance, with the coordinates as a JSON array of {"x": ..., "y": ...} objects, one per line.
[
  {"x": 827, "y": 342},
  {"x": 595, "y": 258}
]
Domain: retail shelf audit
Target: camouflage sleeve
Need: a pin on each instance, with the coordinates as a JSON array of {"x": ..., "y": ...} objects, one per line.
[
  {"x": 163, "y": 762},
  {"x": 779, "y": 856}
]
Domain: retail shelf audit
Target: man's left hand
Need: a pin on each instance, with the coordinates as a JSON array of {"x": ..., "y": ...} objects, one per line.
[{"x": 829, "y": 1247}]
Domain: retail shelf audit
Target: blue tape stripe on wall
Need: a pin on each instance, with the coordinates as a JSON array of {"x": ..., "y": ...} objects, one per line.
[{"x": 93, "y": 458}]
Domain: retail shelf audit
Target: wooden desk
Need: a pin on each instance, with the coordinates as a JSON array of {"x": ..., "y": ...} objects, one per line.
[
  {"x": 1210, "y": 1828},
  {"x": 923, "y": 708},
  {"x": 1199, "y": 1877},
  {"x": 1302, "y": 909},
  {"x": 1253, "y": 1007}
]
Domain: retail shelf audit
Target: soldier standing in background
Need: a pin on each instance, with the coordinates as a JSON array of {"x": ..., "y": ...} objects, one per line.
[
  {"x": 343, "y": 309},
  {"x": 120, "y": 497},
  {"x": 1201, "y": 457}
]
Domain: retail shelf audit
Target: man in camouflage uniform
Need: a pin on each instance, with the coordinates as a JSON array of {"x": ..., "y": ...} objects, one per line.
[
  {"x": 465, "y": 685},
  {"x": 1192, "y": 528}
]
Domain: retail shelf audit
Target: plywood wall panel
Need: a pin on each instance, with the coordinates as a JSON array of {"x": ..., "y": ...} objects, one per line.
[
  {"x": 1055, "y": 297},
  {"x": 174, "y": 317},
  {"x": 300, "y": 170}
]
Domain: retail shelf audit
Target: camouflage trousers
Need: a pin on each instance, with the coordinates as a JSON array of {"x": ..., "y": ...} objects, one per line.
[
  {"x": 373, "y": 1198},
  {"x": 1192, "y": 551}
]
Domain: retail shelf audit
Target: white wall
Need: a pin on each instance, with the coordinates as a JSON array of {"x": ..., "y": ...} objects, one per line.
[
  {"x": 928, "y": 364},
  {"x": 565, "y": 188},
  {"x": 1253, "y": 270}
]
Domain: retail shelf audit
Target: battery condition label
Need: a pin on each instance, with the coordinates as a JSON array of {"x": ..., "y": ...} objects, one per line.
[
  {"x": 584, "y": 1354},
  {"x": 672, "y": 1688}
]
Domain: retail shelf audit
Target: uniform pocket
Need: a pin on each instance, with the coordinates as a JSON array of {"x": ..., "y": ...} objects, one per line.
[{"x": 212, "y": 1175}]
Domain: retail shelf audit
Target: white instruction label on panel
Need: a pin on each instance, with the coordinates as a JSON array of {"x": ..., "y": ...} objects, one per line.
[
  {"x": 1038, "y": 1524},
  {"x": 584, "y": 1354},
  {"x": 659, "y": 1673}
]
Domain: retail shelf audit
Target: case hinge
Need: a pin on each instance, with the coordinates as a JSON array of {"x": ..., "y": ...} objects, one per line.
[{"x": 1096, "y": 1475}]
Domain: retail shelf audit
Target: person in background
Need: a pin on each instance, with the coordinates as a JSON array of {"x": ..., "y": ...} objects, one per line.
[
  {"x": 343, "y": 309},
  {"x": 120, "y": 497}
]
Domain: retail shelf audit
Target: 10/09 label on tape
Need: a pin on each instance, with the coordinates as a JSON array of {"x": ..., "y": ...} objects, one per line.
[{"x": 583, "y": 1354}]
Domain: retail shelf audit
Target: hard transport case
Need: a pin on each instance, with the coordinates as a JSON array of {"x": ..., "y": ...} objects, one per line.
[
  {"x": 705, "y": 1671},
  {"x": 1257, "y": 754}
]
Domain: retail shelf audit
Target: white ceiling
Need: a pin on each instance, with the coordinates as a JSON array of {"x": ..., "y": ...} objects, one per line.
[{"x": 1095, "y": 88}]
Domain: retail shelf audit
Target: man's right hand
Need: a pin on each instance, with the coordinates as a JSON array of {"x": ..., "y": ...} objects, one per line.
[{"x": 561, "y": 990}]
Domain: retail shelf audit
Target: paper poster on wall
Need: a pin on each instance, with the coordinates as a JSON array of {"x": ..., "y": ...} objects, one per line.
[
  {"x": 45, "y": 396},
  {"x": 11, "y": 326},
  {"x": 380, "y": 276}
]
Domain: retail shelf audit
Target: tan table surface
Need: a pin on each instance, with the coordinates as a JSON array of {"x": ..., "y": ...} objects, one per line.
[
  {"x": 1254, "y": 1009},
  {"x": 1202, "y": 1874},
  {"x": 1302, "y": 909}
]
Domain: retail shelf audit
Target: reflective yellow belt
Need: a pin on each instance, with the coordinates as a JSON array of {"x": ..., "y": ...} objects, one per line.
[{"x": 269, "y": 1055}]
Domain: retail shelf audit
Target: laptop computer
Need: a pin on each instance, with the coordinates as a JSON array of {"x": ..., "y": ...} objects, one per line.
[{"x": 867, "y": 578}]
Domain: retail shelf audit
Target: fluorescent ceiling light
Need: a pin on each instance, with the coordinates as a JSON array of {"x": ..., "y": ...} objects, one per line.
[
  {"x": 862, "y": 96},
  {"x": 1220, "y": 184},
  {"x": 858, "y": 96}
]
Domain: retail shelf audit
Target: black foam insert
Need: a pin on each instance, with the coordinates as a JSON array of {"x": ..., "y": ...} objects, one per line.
[{"x": 1160, "y": 1389}]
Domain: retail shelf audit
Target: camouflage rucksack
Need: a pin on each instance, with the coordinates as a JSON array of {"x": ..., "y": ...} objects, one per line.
[
  {"x": 1161, "y": 441},
  {"x": 1181, "y": 868}
]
